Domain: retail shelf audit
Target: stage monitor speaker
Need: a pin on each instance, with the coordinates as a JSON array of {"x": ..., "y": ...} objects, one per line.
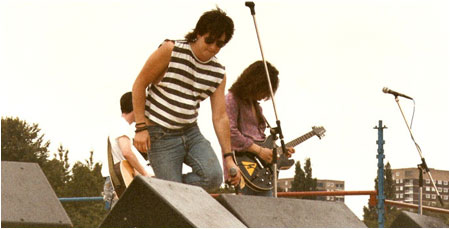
[
  {"x": 150, "y": 202},
  {"x": 264, "y": 212},
  {"x": 412, "y": 220},
  {"x": 28, "y": 200}
]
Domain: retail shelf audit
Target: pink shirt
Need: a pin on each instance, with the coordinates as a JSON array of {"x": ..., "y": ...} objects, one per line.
[{"x": 245, "y": 127}]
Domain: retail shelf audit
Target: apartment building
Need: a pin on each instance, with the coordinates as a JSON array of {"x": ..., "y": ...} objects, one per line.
[
  {"x": 406, "y": 182},
  {"x": 285, "y": 185}
]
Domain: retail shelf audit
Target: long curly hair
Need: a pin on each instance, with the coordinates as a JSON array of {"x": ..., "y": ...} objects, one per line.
[{"x": 253, "y": 81}]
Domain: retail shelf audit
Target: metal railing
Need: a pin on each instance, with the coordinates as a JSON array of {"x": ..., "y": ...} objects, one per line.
[{"x": 80, "y": 199}]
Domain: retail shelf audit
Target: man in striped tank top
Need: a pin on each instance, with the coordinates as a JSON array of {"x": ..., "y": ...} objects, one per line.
[{"x": 177, "y": 77}]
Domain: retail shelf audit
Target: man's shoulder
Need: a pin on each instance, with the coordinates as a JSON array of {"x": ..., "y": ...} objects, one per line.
[{"x": 119, "y": 127}]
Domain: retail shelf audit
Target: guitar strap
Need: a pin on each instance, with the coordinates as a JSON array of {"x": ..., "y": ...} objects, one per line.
[
  {"x": 115, "y": 180},
  {"x": 262, "y": 115},
  {"x": 268, "y": 125}
]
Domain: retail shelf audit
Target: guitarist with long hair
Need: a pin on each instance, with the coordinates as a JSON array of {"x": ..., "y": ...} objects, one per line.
[{"x": 247, "y": 122}]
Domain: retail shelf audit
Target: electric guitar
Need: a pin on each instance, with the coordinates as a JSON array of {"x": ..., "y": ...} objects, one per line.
[{"x": 257, "y": 173}]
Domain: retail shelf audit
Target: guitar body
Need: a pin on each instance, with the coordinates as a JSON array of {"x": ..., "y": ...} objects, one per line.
[
  {"x": 258, "y": 174},
  {"x": 127, "y": 172}
]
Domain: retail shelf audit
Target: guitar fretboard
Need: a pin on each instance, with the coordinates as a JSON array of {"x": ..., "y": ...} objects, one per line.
[{"x": 297, "y": 140}]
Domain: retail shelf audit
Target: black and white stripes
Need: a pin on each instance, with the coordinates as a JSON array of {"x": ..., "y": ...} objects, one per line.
[{"x": 174, "y": 102}]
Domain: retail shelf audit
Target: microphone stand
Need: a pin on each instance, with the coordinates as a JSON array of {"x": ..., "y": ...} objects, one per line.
[
  {"x": 423, "y": 165},
  {"x": 276, "y": 130}
]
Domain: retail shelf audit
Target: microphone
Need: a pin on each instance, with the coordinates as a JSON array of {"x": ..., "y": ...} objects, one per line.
[
  {"x": 389, "y": 91},
  {"x": 233, "y": 172},
  {"x": 251, "y": 5}
]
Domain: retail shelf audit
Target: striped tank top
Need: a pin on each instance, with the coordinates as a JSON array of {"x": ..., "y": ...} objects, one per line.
[{"x": 174, "y": 102}]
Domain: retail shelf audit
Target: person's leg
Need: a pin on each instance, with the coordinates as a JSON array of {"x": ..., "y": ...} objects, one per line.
[
  {"x": 248, "y": 191},
  {"x": 206, "y": 169},
  {"x": 167, "y": 152}
]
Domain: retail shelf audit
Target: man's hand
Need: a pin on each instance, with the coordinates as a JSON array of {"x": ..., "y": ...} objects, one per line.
[
  {"x": 266, "y": 154},
  {"x": 142, "y": 141},
  {"x": 233, "y": 180},
  {"x": 290, "y": 151}
]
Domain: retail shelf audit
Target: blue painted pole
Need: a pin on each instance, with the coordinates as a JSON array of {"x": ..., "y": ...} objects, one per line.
[{"x": 381, "y": 197}]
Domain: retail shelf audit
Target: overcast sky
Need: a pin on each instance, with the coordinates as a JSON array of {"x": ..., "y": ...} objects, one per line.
[{"x": 65, "y": 64}]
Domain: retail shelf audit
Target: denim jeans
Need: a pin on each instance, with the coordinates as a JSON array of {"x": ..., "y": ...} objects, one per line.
[
  {"x": 171, "y": 148},
  {"x": 248, "y": 191}
]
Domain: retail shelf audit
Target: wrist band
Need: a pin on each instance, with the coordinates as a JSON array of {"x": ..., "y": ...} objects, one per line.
[
  {"x": 139, "y": 129},
  {"x": 141, "y": 123},
  {"x": 225, "y": 155}
]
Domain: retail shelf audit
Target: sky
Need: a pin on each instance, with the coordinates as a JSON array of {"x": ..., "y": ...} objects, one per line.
[{"x": 65, "y": 64}]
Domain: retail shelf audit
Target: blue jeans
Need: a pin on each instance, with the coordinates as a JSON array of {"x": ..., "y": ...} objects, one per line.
[
  {"x": 171, "y": 148},
  {"x": 248, "y": 191}
]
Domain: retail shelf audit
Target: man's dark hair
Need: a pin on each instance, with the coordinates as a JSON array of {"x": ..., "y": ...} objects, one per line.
[
  {"x": 215, "y": 22},
  {"x": 126, "y": 103},
  {"x": 253, "y": 80}
]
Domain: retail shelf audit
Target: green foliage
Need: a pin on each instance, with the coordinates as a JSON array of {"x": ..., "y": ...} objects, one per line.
[
  {"x": 23, "y": 142},
  {"x": 86, "y": 180},
  {"x": 391, "y": 213},
  {"x": 299, "y": 178},
  {"x": 303, "y": 179}
]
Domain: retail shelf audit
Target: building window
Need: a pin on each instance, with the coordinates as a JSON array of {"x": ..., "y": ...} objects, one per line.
[
  {"x": 433, "y": 196},
  {"x": 445, "y": 197},
  {"x": 433, "y": 204},
  {"x": 439, "y": 189},
  {"x": 401, "y": 188},
  {"x": 427, "y": 196},
  {"x": 427, "y": 181},
  {"x": 445, "y": 190},
  {"x": 397, "y": 181},
  {"x": 401, "y": 195},
  {"x": 427, "y": 189},
  {"x": 439, "y": 182},
  {"x": 445, "y": 182},
  {"x": 397, "y": 174},
  {"x": 408, "y": 173},
  {"x": 401, "y": 181},
  {"x": 397, "y": 196},
  {"x": 432, "y": 189}
]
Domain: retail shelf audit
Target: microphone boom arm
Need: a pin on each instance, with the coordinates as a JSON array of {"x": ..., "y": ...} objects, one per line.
[{"x": 423, "y": 164}]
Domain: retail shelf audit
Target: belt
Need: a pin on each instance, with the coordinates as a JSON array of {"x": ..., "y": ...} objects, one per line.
[{"x": 180, "y": 130}]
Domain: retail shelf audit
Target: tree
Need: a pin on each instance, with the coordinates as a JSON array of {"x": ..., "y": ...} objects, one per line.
[
  {"x": 23, "y": 142},
  {"x": 370, "y": 212},
  {"x": 86, "y": 181},
  {"x": 57, "y": 171},
  {"x": 310, "y": 183},
  {"x": 299, "y": 178},
  {"x": 303, "y": 180}
]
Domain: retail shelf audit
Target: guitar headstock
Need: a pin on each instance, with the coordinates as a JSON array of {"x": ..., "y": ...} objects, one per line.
[{"x": 319, "y": 131}]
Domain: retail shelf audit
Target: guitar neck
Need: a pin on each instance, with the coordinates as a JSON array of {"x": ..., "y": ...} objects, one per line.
[{"x": 298, "y": 140}]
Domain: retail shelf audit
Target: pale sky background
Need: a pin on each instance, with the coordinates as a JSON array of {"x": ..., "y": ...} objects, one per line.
[{"x": 65, "y": 64}]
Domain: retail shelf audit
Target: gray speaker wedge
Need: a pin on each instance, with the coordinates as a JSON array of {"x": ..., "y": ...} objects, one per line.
[
  {"x": 28, "y": 199},
  {"x": 150, "y": 202},
  {"x": 413, "y": 220},
  {"x": 265, "y": 212}
]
